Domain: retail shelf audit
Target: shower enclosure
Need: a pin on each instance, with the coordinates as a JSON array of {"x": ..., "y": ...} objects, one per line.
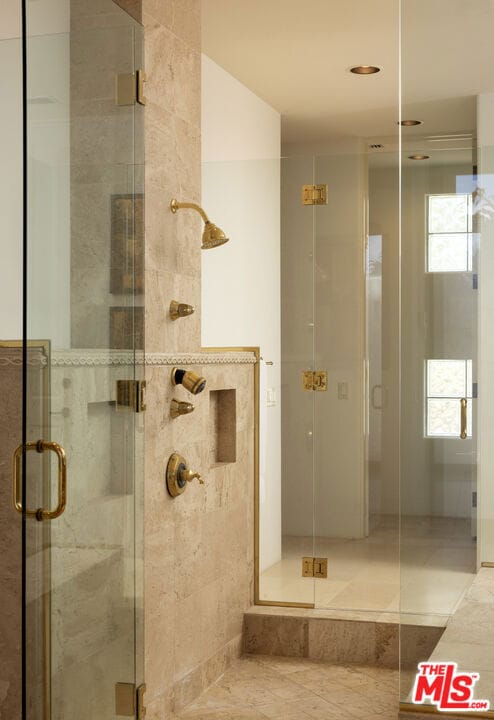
[
  {"x": 78, "y": 366},
  {"x": 374, "y": 501}
]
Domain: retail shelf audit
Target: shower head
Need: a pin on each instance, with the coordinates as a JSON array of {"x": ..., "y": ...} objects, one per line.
[{"x": 212, "y": 235}]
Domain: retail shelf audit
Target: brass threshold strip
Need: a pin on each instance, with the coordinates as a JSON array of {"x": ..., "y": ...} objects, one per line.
[{"x": 280, "y": 603}]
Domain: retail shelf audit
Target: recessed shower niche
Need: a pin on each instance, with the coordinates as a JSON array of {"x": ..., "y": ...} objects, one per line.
[{"x": 223, "y": 424}]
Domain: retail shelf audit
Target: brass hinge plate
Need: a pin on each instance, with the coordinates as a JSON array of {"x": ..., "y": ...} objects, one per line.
[
  {"x": 314, "y": 567},
  {"x": 131, "y": 395},
  {"x": 314, "y": 194},
  {"x": 125, "y": 699},
  {"x": 129, "y": 88},
  {"x": 129, "y": 700},
  {"x": 141, "y": 710},
  {"x": 317, "y": 381}
]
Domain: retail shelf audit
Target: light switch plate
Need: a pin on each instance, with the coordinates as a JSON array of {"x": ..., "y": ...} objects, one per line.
[{"x": 342, "y": 391}]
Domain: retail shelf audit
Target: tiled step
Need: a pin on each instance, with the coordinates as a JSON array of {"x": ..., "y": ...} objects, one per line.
[{"x": 304, "y": 633}]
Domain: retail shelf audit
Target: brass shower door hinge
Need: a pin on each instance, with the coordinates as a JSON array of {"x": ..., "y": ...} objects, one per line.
[
  {"x": 129, "y": 88},
  {"x": 315, "y": 380},
  {"x": 314, "y": 567},
  {"x": 314, "y": 194},
  {"x": 129, "y": 700},
  {"x": 130, "y": 395}
]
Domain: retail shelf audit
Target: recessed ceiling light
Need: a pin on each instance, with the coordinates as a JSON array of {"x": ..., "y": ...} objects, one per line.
[
  {"x": 418, "y": 157},
  {"x": 365, "y": 69},
  {"x": 410, "y": 123}
]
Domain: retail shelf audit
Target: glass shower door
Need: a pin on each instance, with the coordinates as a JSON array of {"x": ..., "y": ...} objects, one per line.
[{"x": 79, "y": 479}]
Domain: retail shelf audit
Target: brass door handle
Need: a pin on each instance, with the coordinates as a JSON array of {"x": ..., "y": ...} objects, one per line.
[
  {"x": 40, "y": 446},
  {"x": 463, "y": 413}
]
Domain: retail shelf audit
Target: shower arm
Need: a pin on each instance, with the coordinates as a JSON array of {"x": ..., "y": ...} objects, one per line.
[{"x": 175, "y": 205}]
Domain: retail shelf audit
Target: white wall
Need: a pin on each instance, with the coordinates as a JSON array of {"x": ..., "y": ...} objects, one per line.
[{"x": 241, "y": 280}]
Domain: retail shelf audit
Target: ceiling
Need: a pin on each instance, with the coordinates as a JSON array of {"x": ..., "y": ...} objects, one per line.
[{"x": 298, "y": 62}]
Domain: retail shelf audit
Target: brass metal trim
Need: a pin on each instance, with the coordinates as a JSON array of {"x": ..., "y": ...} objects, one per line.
[
  {"x": 307, "y": 567},
  {"x": 320, "y": 567},
  {"x": 487, "y": 564},
  {"x": 40, "y": 446},
  {"x": 130, "y": 394},
  {"x": 140, "y": 80},
  {"x": 125, "y": 699},
  {"x": 179, "y": 310},
  {"x": 129, "y": 88},
  {"x": 315, "y": 380},
  {"x": 178, "y": 475},
  {"x": 141, "y": 708},
  {"x": 191, "y": 381},
  {"x": 283, "y": 603},
  {"x": 314, "y": 194},
  {"x": 307, "y": 380},
  {"x": 431, "y": 710},
  {"x": 175, "y": 205},
  {"x": 314, "y": 567},
  {"x": 463, "y": 412},
  {"x": 178, "y": 408}
]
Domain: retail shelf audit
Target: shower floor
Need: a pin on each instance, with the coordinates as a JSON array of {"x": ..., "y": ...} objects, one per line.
[
  {"x": 438, "y": 557},
  {"x": 263, "y": 687}
]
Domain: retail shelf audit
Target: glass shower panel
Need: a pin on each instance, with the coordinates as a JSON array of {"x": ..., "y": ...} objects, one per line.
[
  {"x": 356, "y": 526},
  {"x": 443, "y": 331},
  {"x": 84, "y": 321},
  {"x": 439, "y": 367},
  {"x": 298, "y": 278},
  {"x": 289, "y": 507}
]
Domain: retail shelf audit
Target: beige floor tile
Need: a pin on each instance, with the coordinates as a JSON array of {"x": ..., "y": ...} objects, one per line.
[
  {"x": 429, "y": 546},
  {"x": 297, "y": 689}
]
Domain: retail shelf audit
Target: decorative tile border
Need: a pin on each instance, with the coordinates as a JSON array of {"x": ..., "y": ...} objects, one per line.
[
  {"x": 13, "y": 356},
  {"x": 103, "y": 358}
]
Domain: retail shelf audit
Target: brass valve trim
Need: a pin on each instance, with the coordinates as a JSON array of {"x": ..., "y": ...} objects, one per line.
[
  {"x": 178, "y": 407},
  {"x": 178, "y": 475},
  {"x": 191, "y": 381},
  {"x": 178, "y": 310}
]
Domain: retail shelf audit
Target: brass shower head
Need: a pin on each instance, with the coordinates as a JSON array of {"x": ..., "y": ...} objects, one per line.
[{"x": 212, "y": 235}]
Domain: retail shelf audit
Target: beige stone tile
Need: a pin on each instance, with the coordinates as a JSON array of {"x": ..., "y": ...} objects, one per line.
[
  {"x": 341, "y": 641},
  {"x": 187, "y": 635},
  {"x": 368, "y": 595},
  {"x": 268, "y": 635}
]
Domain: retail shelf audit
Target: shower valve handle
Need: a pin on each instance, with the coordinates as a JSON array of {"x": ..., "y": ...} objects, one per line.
[
  {"x": 189, "y": 475},
  {"x": 179, "y": 475}
]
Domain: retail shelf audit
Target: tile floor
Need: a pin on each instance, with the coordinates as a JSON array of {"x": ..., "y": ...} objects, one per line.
[
  {"x": 260, "y": 687},
  {"x": 428, "y": 574}
]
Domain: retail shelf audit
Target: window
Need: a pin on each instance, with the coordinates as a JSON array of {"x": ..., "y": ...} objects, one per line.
[
  {"x": 449, "y": 232},
  {"x": 447, "y": 382}
]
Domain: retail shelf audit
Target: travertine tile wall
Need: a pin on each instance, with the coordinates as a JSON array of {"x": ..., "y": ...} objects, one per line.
[
  {"x": 199, "y": 546},
  {"x": 11, "y": 536}
]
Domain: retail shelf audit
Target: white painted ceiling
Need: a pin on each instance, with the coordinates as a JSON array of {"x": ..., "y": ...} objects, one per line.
[{"x": 296, "y": 54}]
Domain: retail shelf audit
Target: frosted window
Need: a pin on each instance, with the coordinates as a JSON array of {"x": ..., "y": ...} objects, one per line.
[
  {"x": 449, "y": 213},
  {"x": 447, "y": 382},
  {"x": 450, "y": 253},
  {"x": 449, "y": 247}
]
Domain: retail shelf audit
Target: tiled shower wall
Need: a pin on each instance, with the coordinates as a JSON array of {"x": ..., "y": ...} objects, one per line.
[{"x": 199, "y": 546}]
